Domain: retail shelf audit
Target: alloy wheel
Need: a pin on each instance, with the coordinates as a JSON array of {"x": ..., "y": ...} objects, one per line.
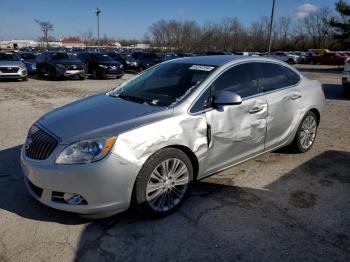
[
  {"x": 308, "y": 132},
  {"x": 167, "y": 185}
]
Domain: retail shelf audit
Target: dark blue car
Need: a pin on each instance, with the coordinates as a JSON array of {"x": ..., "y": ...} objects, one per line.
[{"x": 29, "y": 59}]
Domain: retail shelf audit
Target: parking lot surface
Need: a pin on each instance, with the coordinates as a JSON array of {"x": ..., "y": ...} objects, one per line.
[{"x": 277, "y": 207}]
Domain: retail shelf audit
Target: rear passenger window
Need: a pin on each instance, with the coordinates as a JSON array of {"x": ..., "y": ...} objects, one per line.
[
  {"x": 272, "y": 76},
  {"x": 293, "y": 78},
  {"x": 240, "y": 79}
]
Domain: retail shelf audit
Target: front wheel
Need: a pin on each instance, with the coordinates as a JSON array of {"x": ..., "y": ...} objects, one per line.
[
  {"x": 306, "y": 133},
  {"x": 163, "y": 182},
  {"x": 290, "y": 61}
]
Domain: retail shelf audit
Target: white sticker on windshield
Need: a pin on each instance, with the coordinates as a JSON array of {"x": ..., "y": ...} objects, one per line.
[{"x": 202, "y": 68}]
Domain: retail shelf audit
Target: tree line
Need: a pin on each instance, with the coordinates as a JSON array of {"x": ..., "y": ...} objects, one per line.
[{"x": 230, "y": 35}]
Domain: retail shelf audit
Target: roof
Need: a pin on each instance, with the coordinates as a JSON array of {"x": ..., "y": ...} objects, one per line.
[
  {"x": 219, "y": 60},
  {"x": 214, "y": 60}
]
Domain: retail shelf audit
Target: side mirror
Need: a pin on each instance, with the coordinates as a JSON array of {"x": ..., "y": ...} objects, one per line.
[{"x": 224, "y": 98}]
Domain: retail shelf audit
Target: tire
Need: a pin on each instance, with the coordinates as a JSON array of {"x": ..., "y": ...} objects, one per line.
[
  {"x": 94, "y": 74},
  {"x": 52, "y": 74},
  {"x": 165, "y": 198},
  {"x": 290, "y": 61},
  {"x": 306, "y": 128},
  {"x": 347, "y": 91},
  {"x": 140, "y": 69}
]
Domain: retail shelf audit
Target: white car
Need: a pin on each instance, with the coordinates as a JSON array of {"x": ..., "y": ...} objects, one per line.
[{"x": 286, "y": 57}]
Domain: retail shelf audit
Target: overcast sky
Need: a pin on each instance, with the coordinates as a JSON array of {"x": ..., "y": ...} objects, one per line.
[{"x": 131, "y": 19}]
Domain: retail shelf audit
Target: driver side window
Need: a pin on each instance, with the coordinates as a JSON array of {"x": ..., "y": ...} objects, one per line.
[{"x": 240, "y": 79}]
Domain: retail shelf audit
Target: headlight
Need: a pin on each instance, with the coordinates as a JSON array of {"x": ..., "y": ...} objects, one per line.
[
  {"x": 103, "y": 66},
  {"x": 121, "y": 66},
  {"x": 22, "y": 66},
  {"x": 60, "y": 65},
  {"x": 86, "y": 151}
]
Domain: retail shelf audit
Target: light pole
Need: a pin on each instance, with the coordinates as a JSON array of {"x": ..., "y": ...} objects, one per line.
[
  {"x": 97, "y": 12},
  {"x": 271, "y": 22}
]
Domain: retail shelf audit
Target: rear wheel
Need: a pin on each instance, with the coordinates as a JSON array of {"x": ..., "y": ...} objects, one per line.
[
  {"x": 290, "y": 61},
  {"x": 163, "y": 182},
  {"x": 52, "y": 74},
  {"x": 306, "y": 133}
]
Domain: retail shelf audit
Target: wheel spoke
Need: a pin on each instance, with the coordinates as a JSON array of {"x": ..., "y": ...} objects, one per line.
[
  {"x": 153, "y": 187},
  {"x": 181, "y": 182},
  {"x": 156, "y": 175},
  {"x": 154, "y": 197}
]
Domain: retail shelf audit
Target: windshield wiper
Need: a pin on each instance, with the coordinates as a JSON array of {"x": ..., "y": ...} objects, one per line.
[{"x": 134, "y": 99}]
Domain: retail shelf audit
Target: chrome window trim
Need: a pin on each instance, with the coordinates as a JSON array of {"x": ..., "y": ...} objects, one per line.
[{"x": 245, "y": 98}]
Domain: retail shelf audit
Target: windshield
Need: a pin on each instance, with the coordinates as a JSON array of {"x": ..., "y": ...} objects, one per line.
[
  {"x": 129, "y": 58},
  {"x": 28, "y": 56},
  {"x": 9, "y": 57},
  {"x": 163, "y": 85},
  {"x": 60, "y": 56},
  {"x": 102, "y": 58}
]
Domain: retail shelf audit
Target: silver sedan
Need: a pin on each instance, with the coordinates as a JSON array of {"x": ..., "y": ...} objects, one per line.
[{"x": 177, "y": 122}]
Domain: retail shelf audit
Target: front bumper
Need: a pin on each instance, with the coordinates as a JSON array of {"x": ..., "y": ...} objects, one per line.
[
  {"x": 111, "y": 73},
  {"x": 21, "y": 73},
  {"x": 106, "y": 185},
  {"x": 72, "y": 73}
]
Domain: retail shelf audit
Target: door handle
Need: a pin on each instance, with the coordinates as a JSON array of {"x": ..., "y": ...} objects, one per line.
[
  {"x": 295, "y": 96},
  {"x": 256, "y": 109}
]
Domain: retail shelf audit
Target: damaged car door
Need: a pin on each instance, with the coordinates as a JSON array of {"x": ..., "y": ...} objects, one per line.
[
  {"x": 280, "y": 85},
  {"x": 237, "y": 132}
]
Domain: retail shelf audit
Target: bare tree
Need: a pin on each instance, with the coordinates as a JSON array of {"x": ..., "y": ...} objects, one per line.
[
  {"x": 45, "y": 27},
  {"x": 318, "y": 27},
  {"x": 87, "y": 37}
]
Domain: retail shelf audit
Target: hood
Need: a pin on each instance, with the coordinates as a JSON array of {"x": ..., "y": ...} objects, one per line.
[
  {"x": 10, "y": 63},
  {"x": 68, "y": 62},
  {"x": 29, "y": 61},
  {"x": 95, "y": 116}
]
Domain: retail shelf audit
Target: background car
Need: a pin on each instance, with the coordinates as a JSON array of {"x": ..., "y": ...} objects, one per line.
[
  {"x": 59, "y": 65},
  {"x": 146, "y": 60},
  {"x": 346, "y": 78},
  {"x": 11, "y": 67},
  {"x": 286, "y": 57},
  {"x": 328, "y": 58},
  {"x": 29, "y": 59},
  {"x": 99, "y": 65}
]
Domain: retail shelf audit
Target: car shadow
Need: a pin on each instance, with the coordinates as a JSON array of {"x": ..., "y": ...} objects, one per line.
[
  {"x": 302, "y": 214},
  {"x": 16, "y": 199},
  {"x": 334, "y": 92},
  {"x": 323, "y": 70}
]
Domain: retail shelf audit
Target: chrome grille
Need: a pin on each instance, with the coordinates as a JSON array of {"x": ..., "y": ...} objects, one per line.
[
  {"x": 9, "y": 69},
  {"x": 39, "y": 145},
  {"x": 75, "y": 67}
]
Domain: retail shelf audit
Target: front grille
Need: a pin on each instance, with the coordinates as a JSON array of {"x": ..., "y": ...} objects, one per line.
[
  {"x": 40, "y": 145},
  {"x": 75, "y": 67},
  {"x": 9, "y": 69}
]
